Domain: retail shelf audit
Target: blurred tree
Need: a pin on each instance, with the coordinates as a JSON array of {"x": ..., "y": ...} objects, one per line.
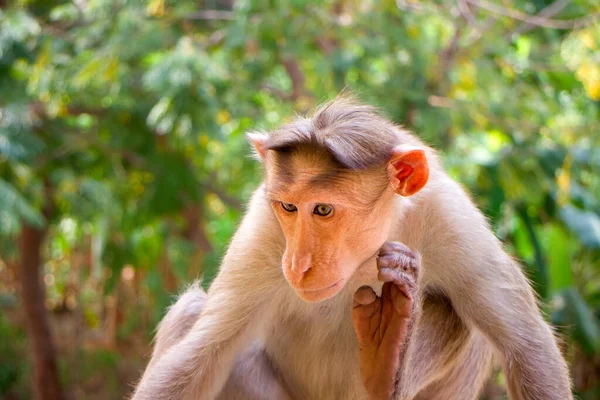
[{"x": 46, "y": 384}]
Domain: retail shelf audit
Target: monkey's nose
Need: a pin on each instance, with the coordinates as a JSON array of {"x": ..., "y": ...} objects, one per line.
[{"x": 301, "y": 263}]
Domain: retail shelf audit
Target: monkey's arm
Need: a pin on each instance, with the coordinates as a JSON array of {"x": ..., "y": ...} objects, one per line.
[
  {"x": 489, "y": 291},
  {"x": 237, "y": 306},
  {"x": 503, "y": 307}
]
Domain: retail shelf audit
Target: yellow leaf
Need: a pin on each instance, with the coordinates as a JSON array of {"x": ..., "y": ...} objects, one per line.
[
  {"x": 139, "y": 189},
  {"x": 89, "y": 72},
  {"x": 303, "y": 102},
  {"x": 110, "y": 73},
  {"x": 466, "y": 76},
  {"x": 563, "y": 181},
  {"x": 40, "y": 65},
  {"x": 506, "y": 68},
  {"x": 91, "y": 318},
  {"x": 45, "y": 97},
  {"x": 215, "y": 204},
  {"x": 588, "y": 74},
  {"x": 412, "y": 32},
  {"x": 189, "y": 150},
  {"x": 63, "y": 110},
  {"x": 69, "y": 187},
  {"x": 203, "y": 140},
  {"x": 223, "y": 116},
  {"x": 586, "y": 70},
  {"x": 156, "y": 8},
  {"x": 588, "y": 39},
  {"x": 592, "y": 88}
]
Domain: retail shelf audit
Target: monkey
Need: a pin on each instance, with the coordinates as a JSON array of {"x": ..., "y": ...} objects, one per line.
[{"x": 361, "y": 270}]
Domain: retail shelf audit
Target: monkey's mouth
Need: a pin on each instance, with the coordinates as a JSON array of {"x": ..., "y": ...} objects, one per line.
[{"x": 316, "y": 295}]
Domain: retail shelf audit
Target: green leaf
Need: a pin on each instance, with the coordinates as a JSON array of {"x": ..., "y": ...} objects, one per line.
[
  {"x": 523, "y": 47},
  {"x": 17, "y": 140},
  {"x": 539, "y": 275},
  {"x": 65, "y": 12},
  {"x": 585, "y": 224},
  {"x": 559, "y": 250},
  {"x": 585, "y": 326},
  {"x": 14, "y": 202}
]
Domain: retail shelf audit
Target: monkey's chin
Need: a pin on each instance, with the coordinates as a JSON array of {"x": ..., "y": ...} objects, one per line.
[{"x": 315, "y": 296}]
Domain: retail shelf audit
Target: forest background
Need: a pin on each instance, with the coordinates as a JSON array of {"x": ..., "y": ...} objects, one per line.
[{"x": 124, "y": 166}]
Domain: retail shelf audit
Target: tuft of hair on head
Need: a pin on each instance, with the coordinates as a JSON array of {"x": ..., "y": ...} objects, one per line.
[{"x": 355, "y": 135}]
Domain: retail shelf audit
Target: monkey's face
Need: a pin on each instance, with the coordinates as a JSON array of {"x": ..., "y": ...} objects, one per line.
[
  {"x": 327, "y": 238},
  {"x": 332, "y": 225},
  {"x": 334, "y": 219}
]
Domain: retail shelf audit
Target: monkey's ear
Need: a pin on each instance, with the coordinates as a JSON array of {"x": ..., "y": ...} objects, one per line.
[
  {"x": 408, "y": 169},
  {"x": 258, "y": 140}
]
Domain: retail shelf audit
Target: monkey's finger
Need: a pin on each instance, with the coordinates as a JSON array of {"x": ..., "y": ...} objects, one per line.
[
  {"x": 386, "y": 306},
  {"x": 395, "y": 319},
  {"x": 387, "y": 275},
  {"x": 402, "y": 300},
  {"x": 394, "y": 247},
  {"x": 367, "y": 311},
  {"x": 396, "y": 302},
  {"x": 396, "y": 276},
  {"x": 397, "y": 260},
  {"x": 366, "y": 320},
  {"x": 402, "y": 259},
  {"x": 364, "y": 295}
]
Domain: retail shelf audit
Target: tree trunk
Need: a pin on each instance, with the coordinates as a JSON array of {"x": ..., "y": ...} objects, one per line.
[{"x": 46, "y": 384}]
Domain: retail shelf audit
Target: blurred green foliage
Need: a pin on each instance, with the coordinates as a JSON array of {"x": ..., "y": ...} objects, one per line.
[
  {"x": 11, "y": 347},
  {"x": 129, "y": 118}
]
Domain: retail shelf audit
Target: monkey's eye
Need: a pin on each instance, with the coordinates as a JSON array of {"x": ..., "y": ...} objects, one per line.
[
  {"x": 289, "y": 207},
  {"x": 322, "y": 210}
]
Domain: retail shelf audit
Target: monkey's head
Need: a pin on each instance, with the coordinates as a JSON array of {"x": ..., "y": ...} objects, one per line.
[{"x": 331, "y": 181}]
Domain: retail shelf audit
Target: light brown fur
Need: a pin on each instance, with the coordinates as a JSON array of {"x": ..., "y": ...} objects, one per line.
[
  {"x": 252, "y": 378},
  {"x": 475, "y": 298}
]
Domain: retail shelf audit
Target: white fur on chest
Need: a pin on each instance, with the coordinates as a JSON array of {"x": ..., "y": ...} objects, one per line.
[{"x": 314, "y": 346}]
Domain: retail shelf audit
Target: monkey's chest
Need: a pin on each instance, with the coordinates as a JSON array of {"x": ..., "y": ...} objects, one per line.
[{"x": 316, "y": 353}]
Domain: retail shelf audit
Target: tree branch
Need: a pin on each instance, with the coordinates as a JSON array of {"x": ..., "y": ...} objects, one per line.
[
  {"x": 546, "y": 12},
  {"x": 536, "y": 20},
  {"x": 465, "y": 11},
  {"x": 408, "y": 5},
  {"x": 211, "y": 186},
  {"x": 212, "y": 15},
  {"x": 39, "y": 110},
  {"x": 276, "y": 92},
  {"x": 296, "y": 75}
]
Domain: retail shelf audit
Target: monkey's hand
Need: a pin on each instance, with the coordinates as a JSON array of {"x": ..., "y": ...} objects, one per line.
[{"x": 383, "y": 324}]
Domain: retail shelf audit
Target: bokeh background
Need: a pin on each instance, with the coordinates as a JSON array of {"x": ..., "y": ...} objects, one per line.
[{"x": 124, "y": 167}]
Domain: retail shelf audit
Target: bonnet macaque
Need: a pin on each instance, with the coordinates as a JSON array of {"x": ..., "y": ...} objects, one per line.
[{"x": 360, "y": 271}]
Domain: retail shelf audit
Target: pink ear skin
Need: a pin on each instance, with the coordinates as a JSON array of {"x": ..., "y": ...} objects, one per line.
[
  {"x": 259, "y": 141},
  {"x": 408, "y": 169}
]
